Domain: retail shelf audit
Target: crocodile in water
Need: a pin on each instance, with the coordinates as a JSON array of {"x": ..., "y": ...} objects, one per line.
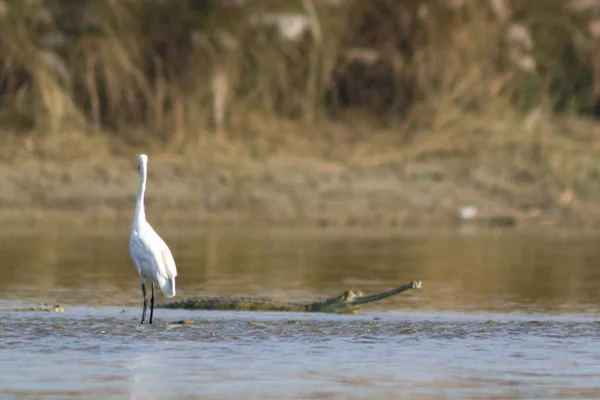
[
  {"x": 347, "y": 302},
  {"x": 42, "y": 308}
]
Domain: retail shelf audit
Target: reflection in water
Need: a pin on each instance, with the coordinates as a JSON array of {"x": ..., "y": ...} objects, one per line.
[
  {"x": 500, "y": 315},
  {"x": 494, "y": 271}
]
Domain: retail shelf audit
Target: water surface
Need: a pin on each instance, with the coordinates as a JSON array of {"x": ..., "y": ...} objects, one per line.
[{"x": 501, "y": 314}]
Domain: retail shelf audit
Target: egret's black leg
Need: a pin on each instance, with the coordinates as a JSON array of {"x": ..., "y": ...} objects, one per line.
[
  {"x": 145, "y": 301},
  {"x": 152, "y": 303}
]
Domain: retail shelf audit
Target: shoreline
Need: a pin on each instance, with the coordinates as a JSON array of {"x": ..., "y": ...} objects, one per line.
[{"x": 290, "y": 192}]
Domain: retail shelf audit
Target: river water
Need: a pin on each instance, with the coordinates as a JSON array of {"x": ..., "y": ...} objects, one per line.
[{"x": 502, "y": 314}]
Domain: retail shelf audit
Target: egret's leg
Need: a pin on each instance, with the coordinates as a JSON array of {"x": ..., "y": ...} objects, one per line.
[
  {"x": 152, "y": 303},
  {"x": 145, "y": 301}
]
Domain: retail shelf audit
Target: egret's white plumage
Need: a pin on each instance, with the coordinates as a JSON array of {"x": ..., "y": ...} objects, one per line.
[{"x": 150, "y": 254}]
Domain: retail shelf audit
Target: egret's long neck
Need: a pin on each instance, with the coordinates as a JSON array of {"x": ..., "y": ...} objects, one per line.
[{"x": 140, "y": 214}]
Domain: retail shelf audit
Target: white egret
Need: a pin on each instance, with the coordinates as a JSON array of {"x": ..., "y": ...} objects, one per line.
[{"x": 150, "y": 254}]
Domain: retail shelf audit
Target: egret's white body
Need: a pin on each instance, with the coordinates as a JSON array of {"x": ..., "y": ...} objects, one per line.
[{"x": 150, "y": 254}]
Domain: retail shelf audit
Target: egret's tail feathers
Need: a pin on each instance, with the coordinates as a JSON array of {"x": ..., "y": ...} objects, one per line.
[{"x": 167, "y": 286}]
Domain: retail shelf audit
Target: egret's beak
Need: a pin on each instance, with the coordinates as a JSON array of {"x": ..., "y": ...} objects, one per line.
[{"x": 138, "y": 168}]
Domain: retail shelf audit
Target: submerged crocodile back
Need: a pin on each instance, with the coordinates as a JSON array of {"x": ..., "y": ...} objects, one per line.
[{"x": 235, "y": 303}]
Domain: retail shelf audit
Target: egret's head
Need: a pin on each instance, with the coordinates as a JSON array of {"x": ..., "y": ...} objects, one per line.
[{"x": 142, "y": 161}]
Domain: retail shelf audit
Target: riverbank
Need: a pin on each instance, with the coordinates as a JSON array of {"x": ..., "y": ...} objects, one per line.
[
  {"x": 513, "y": 176},
  {"x": 368, "y": 113}
]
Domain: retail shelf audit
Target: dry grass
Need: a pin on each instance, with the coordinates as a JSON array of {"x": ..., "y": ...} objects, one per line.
[{"x": 502, "y": 83}]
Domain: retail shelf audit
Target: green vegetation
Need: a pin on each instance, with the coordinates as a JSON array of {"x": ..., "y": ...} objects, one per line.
[{"x": 505, "y": 86}]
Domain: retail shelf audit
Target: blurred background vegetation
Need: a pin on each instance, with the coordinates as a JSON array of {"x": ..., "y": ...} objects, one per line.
[
  {"x": 509, "y": 88},
  {"x": 175, "y": 70}
]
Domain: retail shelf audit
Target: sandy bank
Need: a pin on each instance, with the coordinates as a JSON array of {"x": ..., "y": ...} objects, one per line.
[{"x": 279, "y": 190}]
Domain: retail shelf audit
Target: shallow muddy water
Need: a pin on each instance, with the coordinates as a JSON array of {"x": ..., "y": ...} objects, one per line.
[{"x": 500, "y": 315}]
